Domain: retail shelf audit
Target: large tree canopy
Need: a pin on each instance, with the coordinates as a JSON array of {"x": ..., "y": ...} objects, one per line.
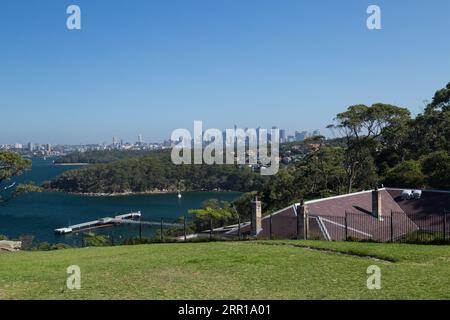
[
  {"x": 365, "y": 129},
  {"x": 364, "y": 122},
  {"x": 441, "y": 100},
  {"x": 432, "y": 129}
]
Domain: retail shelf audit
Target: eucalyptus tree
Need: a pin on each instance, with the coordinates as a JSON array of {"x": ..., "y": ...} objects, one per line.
[
  {"x": 13, "y": 165},
  {"x": 366, "y": 130}
]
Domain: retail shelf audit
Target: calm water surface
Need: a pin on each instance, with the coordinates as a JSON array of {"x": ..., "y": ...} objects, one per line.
[{"x": 38, "y": 214}]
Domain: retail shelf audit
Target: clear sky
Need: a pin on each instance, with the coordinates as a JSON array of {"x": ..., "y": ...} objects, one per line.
[{"x": 152, "y": 66}]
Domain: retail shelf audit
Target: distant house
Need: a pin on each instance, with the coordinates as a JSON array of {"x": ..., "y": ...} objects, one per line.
[
  {"x": 380, "y": 215},
  {"x": 315, "y": 146}
]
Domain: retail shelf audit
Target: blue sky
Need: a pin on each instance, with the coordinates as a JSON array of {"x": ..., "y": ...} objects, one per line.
[{"x": 152, "y": 66}]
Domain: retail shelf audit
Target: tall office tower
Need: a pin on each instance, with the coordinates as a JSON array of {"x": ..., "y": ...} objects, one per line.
[
  {"x": 283, "y": 136},
  {"x": 301, "y": 136},
  {"x": 140, "y": 141}
]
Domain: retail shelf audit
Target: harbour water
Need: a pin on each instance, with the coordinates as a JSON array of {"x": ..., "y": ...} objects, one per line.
[{"x": 38, "y": 214}]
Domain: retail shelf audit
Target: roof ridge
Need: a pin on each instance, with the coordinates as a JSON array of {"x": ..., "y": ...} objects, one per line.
[
  {"x": 423, "y": 190},
  {"x": 341, "y": 196}
]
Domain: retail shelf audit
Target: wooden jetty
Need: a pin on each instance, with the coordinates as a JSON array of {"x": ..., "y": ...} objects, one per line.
[{"x": 103, "y": 222}]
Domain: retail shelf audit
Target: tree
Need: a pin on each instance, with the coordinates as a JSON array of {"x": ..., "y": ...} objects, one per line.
[
  {"x": 243, "y": 205},
  {"x": 437, "y": 168},
  {"x": 322, "y": 172},
  {"x": 13, "y": 165},
  {"x": 432, "y": 128},
  {"x": 441, "y": 101},
  {"x": 363, "y": 128},
  {"x": 280, "y": 190},
  {"x": 406, "y": 175},
  {"x": 221, "y": 212}
]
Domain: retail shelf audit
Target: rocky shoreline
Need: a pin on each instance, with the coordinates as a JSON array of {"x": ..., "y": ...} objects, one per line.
[{"x": 130, "y": 193}]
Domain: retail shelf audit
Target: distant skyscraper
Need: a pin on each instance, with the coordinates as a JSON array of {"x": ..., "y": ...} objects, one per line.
[
  {"x": 301, "y": 136},
  {"x": 140, "y": 139},
  {"x": 283, "y": 136}
]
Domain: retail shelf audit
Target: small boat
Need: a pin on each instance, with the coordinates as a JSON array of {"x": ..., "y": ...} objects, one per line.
[{"x": 179, "y": 195}]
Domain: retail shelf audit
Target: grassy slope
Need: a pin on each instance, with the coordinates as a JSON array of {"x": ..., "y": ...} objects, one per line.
[{"x": 248, "y": 270}]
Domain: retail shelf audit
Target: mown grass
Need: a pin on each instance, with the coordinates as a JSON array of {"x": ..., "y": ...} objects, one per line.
[{"x": 230, "y": 270}]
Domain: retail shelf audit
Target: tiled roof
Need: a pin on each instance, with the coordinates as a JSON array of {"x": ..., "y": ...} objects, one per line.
[
  {"x": 327, "y": 217},
  {"x": 429, "y": 202},
  {"x": 360, "y": 202}
]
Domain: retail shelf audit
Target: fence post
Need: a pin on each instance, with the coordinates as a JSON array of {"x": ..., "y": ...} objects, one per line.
[
  {"x": 392, "y": 226},
  {"x": 140, "y": 229},
  {"x": 297, "y": 230},
  {"x": 270, "y": 227},
  {"x": 239, "y": 228},
  {"x": 210, "y": 229},
  {"x": 445, "y": 224},
  {"x": 346, "y": 227},
  {"x": 304, "y": 213},
  {"x": 161, "y": 236},
  {"x": 184, "y": 227}
]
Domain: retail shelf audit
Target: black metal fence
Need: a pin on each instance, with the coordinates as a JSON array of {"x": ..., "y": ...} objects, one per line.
[
  {"x": 161, "y": 230},
  {"x": 432, "y": 228},
  {"x": 391, "y": 227}
]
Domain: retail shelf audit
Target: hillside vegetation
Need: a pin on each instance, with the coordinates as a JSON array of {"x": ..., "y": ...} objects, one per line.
[
  {"x": 155, "y": 173},
  {"x": 231, "y": 270},
  {"x": 102, "y": 156}
]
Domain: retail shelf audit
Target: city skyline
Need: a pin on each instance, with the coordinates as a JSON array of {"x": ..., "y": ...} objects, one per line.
[
  {"x": 154, "y": 67},
  {"x": 285, "y": 136}
]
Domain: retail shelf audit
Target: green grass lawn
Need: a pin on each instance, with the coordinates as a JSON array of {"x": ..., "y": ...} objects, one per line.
[{"x": 230, "y": 270}]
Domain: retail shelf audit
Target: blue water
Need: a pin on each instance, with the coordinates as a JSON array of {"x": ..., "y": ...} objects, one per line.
[{"x": 38, "y": 214}]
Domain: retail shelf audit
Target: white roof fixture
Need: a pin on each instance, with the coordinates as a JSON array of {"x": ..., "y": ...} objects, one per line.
[
  {"x": 417, "y": 194},
  {"x": 407, "y": 194}
]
